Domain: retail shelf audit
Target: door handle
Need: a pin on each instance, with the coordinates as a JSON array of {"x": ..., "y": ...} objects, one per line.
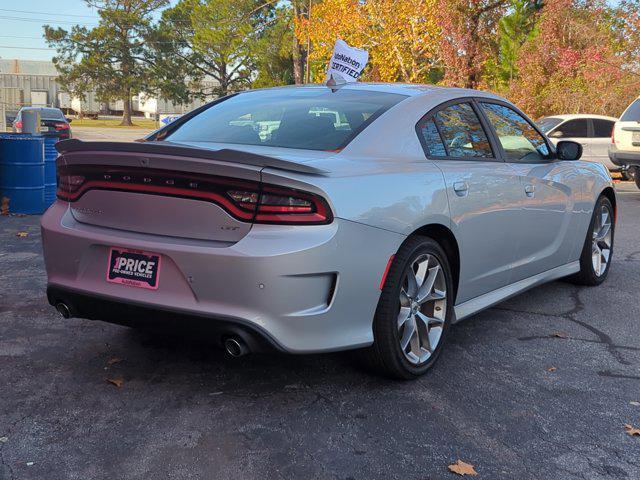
[
  {"x": 461, "y": 188},
  {"x": 530, "y": 190}
]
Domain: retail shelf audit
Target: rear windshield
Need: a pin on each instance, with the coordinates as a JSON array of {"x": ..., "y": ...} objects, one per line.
[
  {"x": 547, "y": 123},
  {"x": 51, "y": 113},
  {"x": 307, "y": 118},
  {"x": 632, "y": 114}
]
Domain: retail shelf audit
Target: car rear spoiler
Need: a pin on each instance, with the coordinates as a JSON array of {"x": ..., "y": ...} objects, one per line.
[{"x": 174, "y": 149}]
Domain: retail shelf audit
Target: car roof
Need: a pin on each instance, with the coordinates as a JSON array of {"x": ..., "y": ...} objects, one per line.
[
  {"x": 572, "y": 116},
  {"x": 407, "y": 89}
]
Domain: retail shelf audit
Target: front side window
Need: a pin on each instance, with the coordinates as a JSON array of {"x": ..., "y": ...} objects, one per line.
[
  {"x": 572, "y": 129},
  {"x": 602, "y": 128},
  {"x": 306, "y": 118},
  {"x": 520, "y": 141},
  {"x": 462, "y": 132}
]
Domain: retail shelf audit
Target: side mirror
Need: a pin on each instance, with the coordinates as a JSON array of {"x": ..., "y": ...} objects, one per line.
[
  {"x": 556, "y": 134},
  {"x": 568, "y": 150}
]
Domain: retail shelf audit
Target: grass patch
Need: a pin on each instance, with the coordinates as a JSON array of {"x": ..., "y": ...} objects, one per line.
[{"x": 145, "y": 123}]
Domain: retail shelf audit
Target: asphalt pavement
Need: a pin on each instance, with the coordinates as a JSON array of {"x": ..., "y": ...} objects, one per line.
[{"x": 539, "y": 387}]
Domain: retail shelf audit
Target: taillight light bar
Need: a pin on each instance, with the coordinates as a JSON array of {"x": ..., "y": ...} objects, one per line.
[
  {"x": 245, "y": 200},
  {"x": 61, "y": 126}
]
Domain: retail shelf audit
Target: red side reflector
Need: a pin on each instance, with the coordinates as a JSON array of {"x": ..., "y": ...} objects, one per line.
[{"x": 386, "y": 271}]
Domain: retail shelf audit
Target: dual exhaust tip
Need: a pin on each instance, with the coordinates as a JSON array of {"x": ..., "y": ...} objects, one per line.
[{"x": 234, "y": 346}]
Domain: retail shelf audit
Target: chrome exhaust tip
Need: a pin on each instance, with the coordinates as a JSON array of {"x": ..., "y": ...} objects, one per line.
[
  {"x": 63, "y": 310},
  {"x": 235, "y": 347}
]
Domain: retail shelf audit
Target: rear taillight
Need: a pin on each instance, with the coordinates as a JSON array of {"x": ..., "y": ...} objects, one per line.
[
  {"x": 613, "y": 135},
  {"x": 245, "y": 200},
  {"x": 61, "y": 126},
  {"x": 18, "y": 125}
]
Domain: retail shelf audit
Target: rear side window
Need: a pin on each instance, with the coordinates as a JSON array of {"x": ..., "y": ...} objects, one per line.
[
  {"x": 602, "y": 128},
  {"x": 431, "y": 139},
  {"x": 632, "y": 113},
  {"x": 308, "y": 118},
  {"x": 462, "y": 132},
  {"x": 572, "y": 129}
]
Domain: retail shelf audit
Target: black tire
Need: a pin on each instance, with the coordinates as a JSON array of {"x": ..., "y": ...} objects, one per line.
[
  {"x": 587, "y": 274},
  {"x": 626, "y": 175},
  {"x": 386, "y": 355},
  {"x": 636, "y": 176}
]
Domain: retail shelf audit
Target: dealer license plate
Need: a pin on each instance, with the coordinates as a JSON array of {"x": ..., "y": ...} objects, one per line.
[{"x": 134, "y": 268}]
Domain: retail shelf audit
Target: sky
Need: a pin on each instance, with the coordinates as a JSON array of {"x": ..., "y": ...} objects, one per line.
[{"x": 21, "y": 25}]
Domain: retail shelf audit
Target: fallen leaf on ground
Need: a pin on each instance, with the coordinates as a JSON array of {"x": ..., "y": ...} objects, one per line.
[
  {"x": 631, "y": 430},
  {"x": 113, "y": 361},
  {"x": 551, "y": 369},
  {"x": 4, "y": 206},
  {"x": 463, "y": 468},
  {"x": 22, "y": 234},
  {"x": 4, "y": 439},
  {"x": 635, "y": 404},
  {"x": 560, "y": 335},
  {"x": 118, "y": 382}
]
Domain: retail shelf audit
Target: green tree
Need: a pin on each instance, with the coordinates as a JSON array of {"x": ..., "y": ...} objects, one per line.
[
  {"x": 109, "y": 58},
  {"x": 217, "y": 40},
  {"x": 514, "y": 29}
]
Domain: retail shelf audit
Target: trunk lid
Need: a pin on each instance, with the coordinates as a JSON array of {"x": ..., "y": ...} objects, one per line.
[{"x": 164, "y": 189}]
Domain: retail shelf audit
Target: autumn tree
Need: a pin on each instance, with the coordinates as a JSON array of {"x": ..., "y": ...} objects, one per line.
[
  {"x": 468, "y": 38},
  {"x": 401, "y": 36},
  {"x": 109, "y": 57},
  {"x": 573, "y": 64}
]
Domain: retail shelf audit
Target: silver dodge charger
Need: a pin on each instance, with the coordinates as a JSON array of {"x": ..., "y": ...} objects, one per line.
[{"x": 314, "y": 219}]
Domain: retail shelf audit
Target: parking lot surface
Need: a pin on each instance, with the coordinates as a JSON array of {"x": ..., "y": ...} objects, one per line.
[
  {"x": 539, "y": 387},
  {"x": 106, "y": 134}
]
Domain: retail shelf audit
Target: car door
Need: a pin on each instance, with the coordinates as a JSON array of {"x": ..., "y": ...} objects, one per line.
[
  {"x": 601, "y": 130},
  {"x": 547, "y": 222},
  {"x": 576, "y": 130},
  {"x": 483, "y": 195}
]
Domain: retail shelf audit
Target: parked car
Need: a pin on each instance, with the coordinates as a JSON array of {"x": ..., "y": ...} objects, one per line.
[
  {"x": 433, "y": 205},
  {"x": 624, "y": 149},
  {"x": 53, "y": 123},
  {"x": 593, "y": 132}
]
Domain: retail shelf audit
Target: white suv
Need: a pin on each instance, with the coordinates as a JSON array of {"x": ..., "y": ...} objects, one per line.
[
  {"x": 592, "y": 131},
  {"x": 624, "y": 149}
]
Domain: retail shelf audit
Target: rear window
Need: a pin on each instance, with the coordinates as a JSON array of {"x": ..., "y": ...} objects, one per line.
[
  {"x": 306, "y": 118},
  {"x": 51, "y": 113},
  {"x": 632, "y": 114}
]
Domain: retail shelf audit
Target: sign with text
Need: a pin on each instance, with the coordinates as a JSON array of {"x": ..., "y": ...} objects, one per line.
[{"x": 347, "y": 63}]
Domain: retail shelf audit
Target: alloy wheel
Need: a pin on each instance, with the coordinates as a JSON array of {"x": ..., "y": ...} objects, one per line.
[
  {"x": 602, "y": 240},
  {"x": 423, "y": 308}
]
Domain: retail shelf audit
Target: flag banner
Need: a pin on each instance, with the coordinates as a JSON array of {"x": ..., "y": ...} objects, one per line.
[{"x": 347, "y": 63}]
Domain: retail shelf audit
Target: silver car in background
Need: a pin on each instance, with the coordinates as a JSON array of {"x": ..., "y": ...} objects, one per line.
[{"x": 307, "y": 219}]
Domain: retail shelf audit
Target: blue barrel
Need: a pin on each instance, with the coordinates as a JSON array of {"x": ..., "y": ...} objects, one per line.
[
  {"x": 50, "y": 182},
  {"x": 22, "y": 172}
]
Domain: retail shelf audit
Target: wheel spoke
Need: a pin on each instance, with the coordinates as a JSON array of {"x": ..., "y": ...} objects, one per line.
[
  {"x": 427, "y": 286},
  {"x": 407, "y": 334},
  {"x": 412, "y": 283},
  {"x": 421, "y": 273},
  {"x": 403, "y": 316},
  {"x": 405, "y": 301}
]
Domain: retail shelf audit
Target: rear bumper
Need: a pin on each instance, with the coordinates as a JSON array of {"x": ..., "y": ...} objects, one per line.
[
  {"x": 132, "y": 314},
  {"x": 623, "y": 158},
  {"x": 305, "y": 289}
]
